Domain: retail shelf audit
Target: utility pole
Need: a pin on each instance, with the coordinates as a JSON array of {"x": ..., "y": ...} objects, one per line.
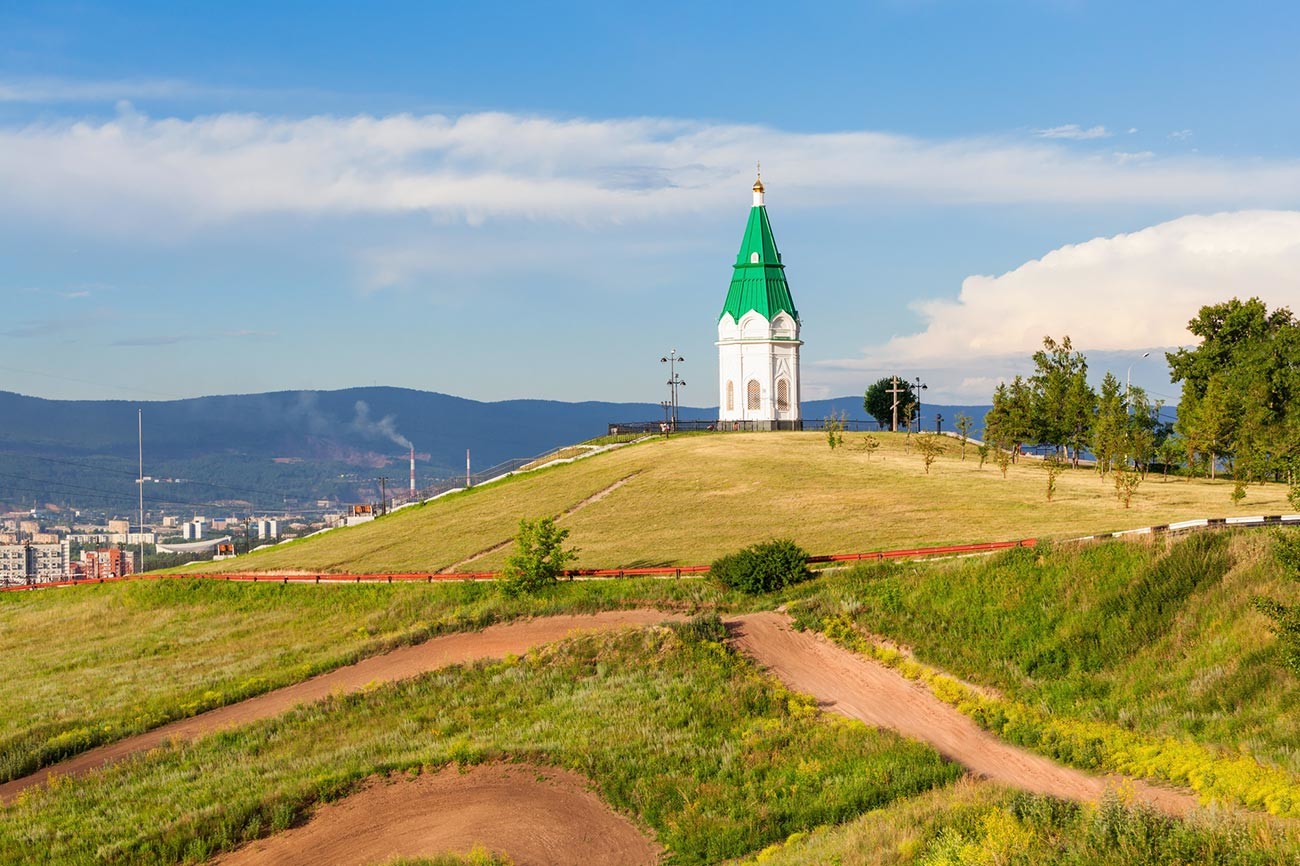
[
  {"x": 139, "y": 424},
  {"x": 674, "y": 381},
  {"x": 468, "y": 483},
  {"x": 383, "y": 494},
  {"x": 895, "y": 391}
]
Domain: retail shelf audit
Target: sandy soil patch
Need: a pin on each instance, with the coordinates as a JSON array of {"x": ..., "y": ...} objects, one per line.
[
  {"x": 537, "y": 816},
  {"x": 492, "y": 642},
  {"x": 860, "y": 688}
]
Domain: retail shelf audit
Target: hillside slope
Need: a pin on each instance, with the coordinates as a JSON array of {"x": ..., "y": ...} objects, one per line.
[
  {"x": 294, "y": 446},
  {"x": 691, "y": 498}
]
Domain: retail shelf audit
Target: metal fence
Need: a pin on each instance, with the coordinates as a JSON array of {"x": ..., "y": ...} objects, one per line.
[{"x": 619, "y": 427}]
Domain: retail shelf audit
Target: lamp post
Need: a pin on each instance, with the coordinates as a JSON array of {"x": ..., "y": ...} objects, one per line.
[
  {"x": 674, "y": 381},
  {"x": 920, "y": 386},
  {"x": 1128, "y": 379}
]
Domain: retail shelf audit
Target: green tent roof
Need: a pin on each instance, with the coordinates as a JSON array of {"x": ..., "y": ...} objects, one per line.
[{"x": 759, "y": 280}]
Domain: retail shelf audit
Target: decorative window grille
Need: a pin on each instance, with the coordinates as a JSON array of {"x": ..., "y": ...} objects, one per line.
[
  {"x": 731, "y": 396},
  {"x": 783, "y": 395},
  {"x": 752, "y": 395}
]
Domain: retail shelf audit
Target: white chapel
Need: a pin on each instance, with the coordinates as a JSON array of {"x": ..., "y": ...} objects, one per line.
[{"x": 758, "y": 334}]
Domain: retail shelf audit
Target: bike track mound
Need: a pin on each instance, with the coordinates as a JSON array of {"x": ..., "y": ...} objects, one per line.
[{"x": 536, "y": 816}]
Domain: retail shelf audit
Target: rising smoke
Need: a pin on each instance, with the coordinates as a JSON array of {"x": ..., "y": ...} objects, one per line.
[{"x": 385, "y": 427}]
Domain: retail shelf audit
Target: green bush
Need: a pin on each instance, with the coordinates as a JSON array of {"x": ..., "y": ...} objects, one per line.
[
  {"x": 539, "y": 558},
  {"x": 764, "y": 567}
]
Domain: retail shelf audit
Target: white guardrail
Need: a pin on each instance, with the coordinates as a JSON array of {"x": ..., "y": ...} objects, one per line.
[{"x": 1203, "y": 523}]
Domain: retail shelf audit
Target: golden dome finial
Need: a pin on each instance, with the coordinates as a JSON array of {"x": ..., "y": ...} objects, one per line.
[{"x": 758, "y": 184}]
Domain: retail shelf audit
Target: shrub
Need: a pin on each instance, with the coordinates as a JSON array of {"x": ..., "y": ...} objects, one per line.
[
  {"x": 763, "y": 567},
  {"x": 539, "y": 558},
  {"x": 1286, "y": 548}
]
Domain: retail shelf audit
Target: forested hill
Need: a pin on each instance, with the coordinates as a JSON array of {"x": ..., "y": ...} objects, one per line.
[{"x": 298, "y": 445}]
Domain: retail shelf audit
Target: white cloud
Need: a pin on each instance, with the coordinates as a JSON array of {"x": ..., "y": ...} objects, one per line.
[
  {"x": 165, "y": 175},
  {"x": 1117, "y": 294},
  {"x": 1074, "y": 132}
]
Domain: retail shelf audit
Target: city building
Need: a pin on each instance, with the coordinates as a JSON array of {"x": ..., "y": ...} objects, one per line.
[
  {"x": 267, "y": 528},
  {"x": 758, "y": 334},
  {"x": 33, "y": 563},
  {"x": 107, "y": 562}
]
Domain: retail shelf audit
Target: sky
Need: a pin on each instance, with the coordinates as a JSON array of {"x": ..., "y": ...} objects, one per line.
[{"x": 540, "y": 200}]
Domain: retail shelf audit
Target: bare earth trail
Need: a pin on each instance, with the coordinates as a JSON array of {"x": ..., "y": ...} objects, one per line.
[
  {"x": 492, "y": 642},
  {"x": 862, "y": 689},
  {"x": 537, "y": 816}
]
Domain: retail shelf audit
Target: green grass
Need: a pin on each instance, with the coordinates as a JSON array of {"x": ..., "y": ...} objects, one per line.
[
  {"x": 1112, "y": 655},
  {"x": 97, "y": 663},
  {"x": 689, "y": 499},
  {"x": 477, "y": 857},
  {"x": 978, "y": 823},
  {"x": 671, "y": 727}
]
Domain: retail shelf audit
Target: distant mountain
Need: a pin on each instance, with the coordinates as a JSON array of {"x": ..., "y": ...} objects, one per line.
[{"x": 295, "y": 446}]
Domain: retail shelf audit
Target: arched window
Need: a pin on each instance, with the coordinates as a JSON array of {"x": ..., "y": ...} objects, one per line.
[
  {"x": 782, "y": 395},
  {"x": 753, "y": 258},
  {"x": 753, "y": 397},
  {"x": 731, "y": 395}
]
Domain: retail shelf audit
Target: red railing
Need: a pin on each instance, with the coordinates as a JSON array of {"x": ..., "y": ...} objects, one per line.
[{"x": 428, "y": 577}]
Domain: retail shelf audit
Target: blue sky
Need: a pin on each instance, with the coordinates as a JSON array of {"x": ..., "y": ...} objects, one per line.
[{"x": 511, "y": 200}]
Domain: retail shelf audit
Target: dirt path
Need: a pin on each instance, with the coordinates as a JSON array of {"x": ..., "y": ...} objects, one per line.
[
  {"x": 492, "y": 642},
  {"x": 860, "y": 688},
  {"x": 537, "y": 816}
]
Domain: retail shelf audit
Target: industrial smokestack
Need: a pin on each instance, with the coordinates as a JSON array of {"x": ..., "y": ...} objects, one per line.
[{"x": 413, "y": 470}]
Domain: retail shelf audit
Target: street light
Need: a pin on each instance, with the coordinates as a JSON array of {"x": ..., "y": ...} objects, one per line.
[
  {"x": 920, "y": 386},
  {"x": 674, "y": 381},
  {"x": 1128, "y": 379}
]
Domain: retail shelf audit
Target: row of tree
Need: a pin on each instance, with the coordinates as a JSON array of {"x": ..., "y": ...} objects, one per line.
[{"x": 1057, "y": 407}]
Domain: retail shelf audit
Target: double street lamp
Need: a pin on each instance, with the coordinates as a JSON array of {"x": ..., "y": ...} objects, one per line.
[
  {"x": 674, "y": 381},
  {"x": 920, "y": 386}
]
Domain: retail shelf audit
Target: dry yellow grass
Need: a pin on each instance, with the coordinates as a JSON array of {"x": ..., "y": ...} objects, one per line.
[{"x": 688, "y": 499}]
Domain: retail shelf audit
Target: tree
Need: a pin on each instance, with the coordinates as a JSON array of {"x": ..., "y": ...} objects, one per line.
[
  {"x": 1003, "y": 458},
  {"x": 1216, "y": 420},
  {"x": 539, "y": 557},
  {"x": 983, "y": 451},
  {"x": 964, "y": 424},
  {"x": 834, "y": 428},
  {"x": 879, "y": 403},
  {"x": 1061, "y": 403},
  {"x": 1240, "y": 388},
  {"x": 1109, "y": 425},
  {"x": 1169, "y": 452},
  {"x": 931, "y": 445},
  {"x": 870, "y": 444},
  {"x": 1008, "y": 424},
  {"x": 1052, "y": 465},
  {"x": 1127, "y": 480}
]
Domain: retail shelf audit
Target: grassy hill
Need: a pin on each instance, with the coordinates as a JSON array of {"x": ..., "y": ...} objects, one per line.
[
  {"x": 691, "y": 498},
  {"x": 1144, "y": 657}
]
